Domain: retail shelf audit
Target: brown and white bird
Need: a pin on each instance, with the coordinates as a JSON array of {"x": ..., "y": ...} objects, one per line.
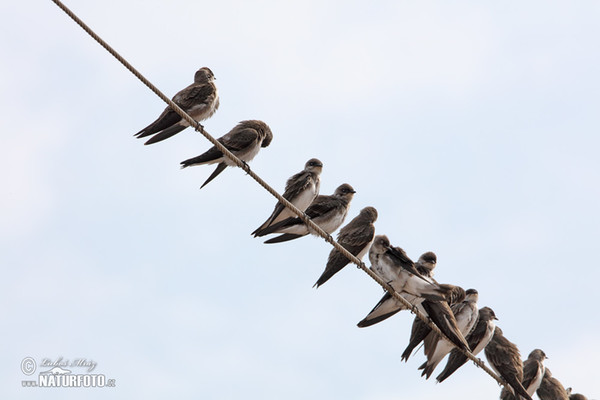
[
  {"x": 575, "y": 396},
  {"x": 300, "y": 190},
  {"x": 479, "y": 337},
  {"x": 551, "y": 388},
  {"x": 439, "y": 314},
  {"x": 504, "y": 358},
  {"x": 436, "y": 348},
  {"x": 389, "y": 306},
  {"x": 437, "y": 310},
  {"x": 356, "y": 237},
  {"x": 328, "y": 212},
  {"x": 393, "y": 265},
  {"x": 533, "y": 372},
  {"x": 397, "y": 269},
  {"x": 200, "y": 100},
  {"x": 244, "y": 141}
]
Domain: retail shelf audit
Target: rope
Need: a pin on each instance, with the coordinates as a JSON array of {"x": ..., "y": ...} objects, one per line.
[{"x": 316, "y": 228}]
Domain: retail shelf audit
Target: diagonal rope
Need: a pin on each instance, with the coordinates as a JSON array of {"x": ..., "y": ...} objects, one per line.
[{"x": 316, "y": 228}]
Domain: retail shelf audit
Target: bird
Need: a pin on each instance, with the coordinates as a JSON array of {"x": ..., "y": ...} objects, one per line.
[
  {"x": 327, "y": 211},
  {"x": 244, "y": 141},
  {"x": 437, "y": 310},
  {"x": 300, "y": 190},
  {"x": 479, "y": 337},
  {"x": 388, "y": 305},
  {"x": 426, "y": 263},
  {"x": 419, "y": 331},
  {"x": 575, "y": 396},
  {"x": 356, "y": 237},
  {"x": 505, "y": 359},
  {"x": 551, "y": 388},
  {"x": 436, "y": 348},
  {"x": 533, "y": 371},
  {"x": 199, "y": 100},
  {"x": 394, "y": 266}
]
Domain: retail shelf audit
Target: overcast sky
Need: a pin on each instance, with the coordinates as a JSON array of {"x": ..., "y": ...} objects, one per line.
[{"x": 472, "y": 127}]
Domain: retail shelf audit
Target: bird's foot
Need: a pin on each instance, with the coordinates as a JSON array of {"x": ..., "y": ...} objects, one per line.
[
  {"x": 245, "y": 166},
  {"x": 199, "y": 127}
]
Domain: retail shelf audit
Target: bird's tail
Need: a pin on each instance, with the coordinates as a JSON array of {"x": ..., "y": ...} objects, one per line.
[
  {"x": 518, "y": 387},
  {"x": 335, "y": 263},
  {"x": 220, "y": 168},
  {"x": 440, "y": 292},
  {"x": 284, "y": 238},
  {"x": 419, "y": 332},
  {"x": 382, "y": 310},
  {"x": 455, "y": 361},
  {"x": 273, "y": 227},
  {"x": 427, "y": 369},
  {"x": 165, "y": 134}
]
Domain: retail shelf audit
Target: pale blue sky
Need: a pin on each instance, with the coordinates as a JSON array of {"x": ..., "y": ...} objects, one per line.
[{"x": 472, "y": 127}]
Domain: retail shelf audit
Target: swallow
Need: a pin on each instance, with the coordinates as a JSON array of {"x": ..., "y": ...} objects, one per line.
[
  {"x": 466, "y": 314},
  {"x": 533, "y": 371},
  {"x": 505, "y": 359},
  {"x": 551, "y": 388},
  {"x": 244, "y": 141},
  {"x": 426, "y": 264},
  {"x": 388, "y": 305},
  {"x": 393, "y": 265},
  {"x": 356, "y": 237},
  {"x": 199, "y": 100},
  {"x": 300, "y": 190},
  {"x": 328, "y": 212},
  {"x": 440, "y": 313},
  {"x": 575, "y": 396},
  {"x": 437, "y": 310},
  {"x": 479, "y": 337}
]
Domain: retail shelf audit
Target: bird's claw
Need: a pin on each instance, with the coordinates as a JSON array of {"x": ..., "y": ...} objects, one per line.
[{"x": 245, "y": 166}]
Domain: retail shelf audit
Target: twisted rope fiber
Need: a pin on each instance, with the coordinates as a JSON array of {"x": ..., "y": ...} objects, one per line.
[{"x": 316, "y": 228}]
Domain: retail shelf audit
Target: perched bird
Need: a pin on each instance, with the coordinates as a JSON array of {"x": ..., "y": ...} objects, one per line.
[
  {"x": 426, "y": 264},
  {"x": 328, "y": 212},
  {"x": 440, "y": 314},
  {"x": 551, "y": 388},
  {"x": 393, "y": 265},
  {"x": 356, "y": 237},
  {"x": 200, "y": 100},
  {"x": 420, "y": 330},
  {"x": 244, "y": 141},
  {"x": 575, "y": 396},
  {"x": 300, "y": 190},
  {"x": 479, "y": 337},
  {"x": 505, "y": 359},
  {"x": 533, "y": 371},
  {"x": 389, "y": 306},
  {"x": 436, "y": 348}
]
